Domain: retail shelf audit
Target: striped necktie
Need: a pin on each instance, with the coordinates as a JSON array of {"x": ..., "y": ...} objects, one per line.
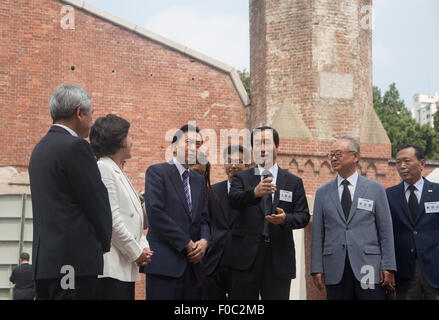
[{"x": 186, "y": 191}]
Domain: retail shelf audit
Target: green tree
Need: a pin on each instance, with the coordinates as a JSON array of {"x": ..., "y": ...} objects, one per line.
[
  {"x": 400, "y": 126},
  {"x": 436, "y": 120},
  {"x": 245, "y": 78}
]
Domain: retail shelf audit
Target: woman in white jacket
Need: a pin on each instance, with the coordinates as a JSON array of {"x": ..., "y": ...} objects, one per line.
[{"x": 111, "y": 145}]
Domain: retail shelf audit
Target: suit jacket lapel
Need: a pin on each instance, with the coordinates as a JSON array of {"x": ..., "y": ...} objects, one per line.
[
  {"x": 425, "y": 197},
  {"x": 195, "y": 192},
  {"x": 360, "y": 190},
  {"x": 127, "y": 185},
  {"x": 254, "y": 181},
  {"x": 281, "y": 181},
  {"x": 174, "y": 176},
  {"x": 336, "y": 199},
  {"x": 223, "y": 201},
  {"x": 404, "y": 213},
  {"x": 133, "y": 195}
]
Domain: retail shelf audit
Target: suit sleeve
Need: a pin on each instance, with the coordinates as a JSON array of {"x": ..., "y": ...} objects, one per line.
[
  {"x": 91, "y": 192},
  {"x": 385, "y": 230},
  {"x": 121, "y": 236},
  {"x": 239, "y": 197},
  {"x": 158, "y": 218},
  {"x": 204, "y": 226},
  {"x": 318, "y": 236},
  {"x": 144, "y": 243},
  {"x": 299, "y": 218},
  {"x": 12, "y": 277}
]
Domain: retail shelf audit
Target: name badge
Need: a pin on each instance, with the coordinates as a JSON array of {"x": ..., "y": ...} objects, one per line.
[
  {"x": 286, "y": 196},
  {"x": 365, "y": 204},
  {"x": 431, "y": 207}
]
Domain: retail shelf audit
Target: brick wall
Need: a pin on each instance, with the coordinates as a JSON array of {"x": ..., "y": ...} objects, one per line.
[
  {"x": 152, "y": 86},
  {"x": 311, "y": 79},
  {"x": 158, "y": 89}
]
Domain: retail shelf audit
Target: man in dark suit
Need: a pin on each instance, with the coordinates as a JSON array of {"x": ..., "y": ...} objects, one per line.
[
  {"x": 414, "y": 204},
  {"x": 71, "y": 212},
  {"x": 271, "y": 203},
  {"x": 22, "y": 278},
  {"x": 175, "y": 200},
  {"x": 221, "y": 217}
]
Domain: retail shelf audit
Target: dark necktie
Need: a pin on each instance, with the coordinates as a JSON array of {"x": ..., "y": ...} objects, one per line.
[
  {"x": 186, "y": 190},
  {"x": 346, "y": 200},
  {"x": 266, "y": 205},
  {"x": 413, "y": 202}
]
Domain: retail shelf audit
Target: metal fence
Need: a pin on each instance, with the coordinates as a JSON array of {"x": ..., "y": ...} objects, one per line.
[{"x": 15, "y": 236}]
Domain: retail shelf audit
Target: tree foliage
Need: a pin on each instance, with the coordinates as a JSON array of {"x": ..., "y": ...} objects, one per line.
[
  {"x": 245, "y": 78},
  {"x": 436, "y": 120},
  {"x": 400, "y": 126}
]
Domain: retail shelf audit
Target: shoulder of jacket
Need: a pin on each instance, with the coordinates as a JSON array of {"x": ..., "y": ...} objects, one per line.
[
  {"x": 218, "y": 185},
  {"x": 107, "y": 170},
  {"x": 324, "y": 188},
  {"x": 159, "y": 166}
]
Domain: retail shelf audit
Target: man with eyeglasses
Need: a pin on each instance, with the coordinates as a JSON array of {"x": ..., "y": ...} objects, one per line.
[
  {"x": 414, "y": 204},
  {"x": 352, "y": 249}
]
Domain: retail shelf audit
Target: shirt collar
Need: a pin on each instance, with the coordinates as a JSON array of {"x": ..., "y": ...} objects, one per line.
[
  {"x": 73, "y": 133},
  {"x": 180, "y": 168},
  {"x": 273, "y": 170},
  {"x": 418, "y": 185},
  {"x": 229, "y": 185},
  {"x": 352, "y": 179}
]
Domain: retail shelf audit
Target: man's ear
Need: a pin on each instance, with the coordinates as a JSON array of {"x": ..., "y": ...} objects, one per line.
[{"x": 78, "y": 113}]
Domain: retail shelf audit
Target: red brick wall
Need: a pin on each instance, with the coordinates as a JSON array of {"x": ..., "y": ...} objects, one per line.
[
  {"x": 293, "y": 44},
  {"x": 155, "y": 88},
  {"x": 152, "y": 86}
]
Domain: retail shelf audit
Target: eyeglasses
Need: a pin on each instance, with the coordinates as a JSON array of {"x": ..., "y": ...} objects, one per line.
[{"x": 337, "y": 154}]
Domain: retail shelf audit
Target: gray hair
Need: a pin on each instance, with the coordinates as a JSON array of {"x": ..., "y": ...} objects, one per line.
[
  {"x": 355, "y": 146},
  {"x": 66, "y": 99}
]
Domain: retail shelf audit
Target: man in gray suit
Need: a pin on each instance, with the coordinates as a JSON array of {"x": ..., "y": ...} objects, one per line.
[{"x": 352, "y": 249}]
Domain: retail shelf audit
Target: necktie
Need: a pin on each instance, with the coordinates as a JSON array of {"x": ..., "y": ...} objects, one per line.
[
  {"x": 266, "y": 205},
  {"x": 186, "y": 191},
  {"x": 346, "y": 200},
  {"x": 413, "y": 202}
]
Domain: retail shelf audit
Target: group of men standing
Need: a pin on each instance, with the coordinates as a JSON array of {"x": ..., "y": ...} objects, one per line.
[
  {"x": 240, "y": 232},
  {"x": 234, "y": 240},
  {"x": 368, "y": 242}
]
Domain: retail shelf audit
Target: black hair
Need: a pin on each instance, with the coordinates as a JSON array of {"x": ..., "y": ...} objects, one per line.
[
  {"x": 180, "y": 132},
  {"x": 419, "y": 152},
  {"x": 232, "y": 149},
  {"x": 202, "y": 159},
  {"x": 275, "y": 134},
  {"x": 107, "y": 135},
  {"x": 24, "y": 256}
]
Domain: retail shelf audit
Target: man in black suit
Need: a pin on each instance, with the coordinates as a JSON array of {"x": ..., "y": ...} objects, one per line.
[
  {"x": 71, "y": 211},
  {"x": 271, "y": 203},
  {"x": 221, "y": 217},
  {"x": 22, "y": 278}
]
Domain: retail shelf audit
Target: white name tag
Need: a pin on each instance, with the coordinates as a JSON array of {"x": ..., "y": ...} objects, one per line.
[
  {"x": 431, "y": 207},
  {"x": 286, "y": 196},
  {"x": 365, "y": 204}
]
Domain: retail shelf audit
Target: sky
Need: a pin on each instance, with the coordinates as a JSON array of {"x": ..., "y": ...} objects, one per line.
[{"x": 405, "y": 35}]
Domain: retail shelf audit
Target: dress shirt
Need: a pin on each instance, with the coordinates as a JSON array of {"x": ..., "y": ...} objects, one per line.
[{"x": 352, "y": 184}]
